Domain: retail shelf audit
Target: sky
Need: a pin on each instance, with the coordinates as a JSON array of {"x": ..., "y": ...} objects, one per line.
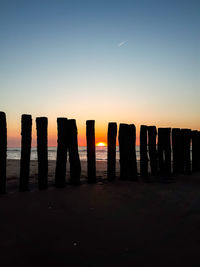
[{"x": 124, "y": 61}]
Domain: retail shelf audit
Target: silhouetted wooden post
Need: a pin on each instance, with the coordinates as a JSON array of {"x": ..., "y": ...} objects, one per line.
[
  {"x": 194, "y": 151},
  {"x": 164, "y": 150},
  {"x": 26, "y": 133},
  {"x": 198, "y": 144},
  {"x": 186, "y": 139},
  {"x": 3, "y": 152},
  {"x": 111, "y": 139},
  {"x": 188, "y": 150},
  {"x": 152, "y": 133},
  {"x": 42, "y": 151},
  {"x": 123, "y": 150},
  {"x": 176, "y": 148},
  {"x": 168, "y": 151},
  {"x": 61, "y": 161},
  {"x": 143, "y": 151},
  {"x": 161, "y": 136},
  {"x": 132, "y": 162},
  {"x": 75, "y": 165},
  {"x": 91, "y": 155}
]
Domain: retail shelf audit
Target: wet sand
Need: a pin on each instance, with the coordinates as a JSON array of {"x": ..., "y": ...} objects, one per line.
[
  {"x": 106, "y": 224},
  {"x": 13, "y": 171}
]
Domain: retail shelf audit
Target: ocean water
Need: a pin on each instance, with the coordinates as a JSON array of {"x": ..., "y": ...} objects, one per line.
[{"x": 101, "y": 153}]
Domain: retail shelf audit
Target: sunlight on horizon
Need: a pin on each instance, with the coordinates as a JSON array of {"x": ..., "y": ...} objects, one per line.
[{"x": 100, "y": 144}]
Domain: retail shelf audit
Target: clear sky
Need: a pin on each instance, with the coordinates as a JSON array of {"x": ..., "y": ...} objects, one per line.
[{"x": 134, "y": 61}]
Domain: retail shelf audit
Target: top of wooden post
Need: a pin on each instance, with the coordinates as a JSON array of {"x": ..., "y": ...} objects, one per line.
[{"x": 90, "y": 122}]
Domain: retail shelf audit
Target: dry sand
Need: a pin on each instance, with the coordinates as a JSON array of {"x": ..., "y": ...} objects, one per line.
[{"x": 114, "y": 224}]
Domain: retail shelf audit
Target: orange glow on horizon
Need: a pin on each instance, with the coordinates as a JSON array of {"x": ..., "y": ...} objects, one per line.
[{"x": 101, "y": 128}]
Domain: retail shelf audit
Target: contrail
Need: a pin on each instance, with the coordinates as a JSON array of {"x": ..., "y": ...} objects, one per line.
[{"x": 122, "y": 43}]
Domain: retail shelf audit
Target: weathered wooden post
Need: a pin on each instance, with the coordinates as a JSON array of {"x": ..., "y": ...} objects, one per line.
[
  {"x": 74, "y": 160},
  {"x": 182, "y": 154},
  {"x": 132, "y": 162},
  {"x": 42, "y": 151},
  {"x": 111, "y": 139},
  {"x": 26, "y": 133},
  {"x": 164, "y": 150},
  {"x": 176, "y": 148},
  {"x": 198, "y": 137},
  {"x": 186, "y": 140},
  {"x": 61, "y": 161},
  {"x": 188, "y": 150},
  {"x": 195, "y": 152},
  {"x": 167, "y": 151},
  {"x": 3, "y": 152},
  {"x": 198, "y": 144},
  {"x": 152, "y": 133},
  {"x": 161, "y": 136},
  {"x": 123, "y": 150},
  {"x": 143, "y": 151},
  {"x": 91, "y": 155}
]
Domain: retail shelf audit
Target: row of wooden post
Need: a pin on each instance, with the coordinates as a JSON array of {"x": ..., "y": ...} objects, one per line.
[{"x": 159, "y": 155}]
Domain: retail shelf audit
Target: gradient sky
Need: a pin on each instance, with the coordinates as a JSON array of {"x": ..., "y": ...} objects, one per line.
[{"x": 126, "y": 61}]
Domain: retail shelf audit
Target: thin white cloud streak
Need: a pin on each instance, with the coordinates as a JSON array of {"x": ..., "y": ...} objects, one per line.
[{"x": 122, "y": 43}]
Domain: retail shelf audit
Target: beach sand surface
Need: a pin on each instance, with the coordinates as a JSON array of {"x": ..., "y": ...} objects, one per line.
[
  {"x": 105, "y": 224},
  {"x": 13, "y": 171}
]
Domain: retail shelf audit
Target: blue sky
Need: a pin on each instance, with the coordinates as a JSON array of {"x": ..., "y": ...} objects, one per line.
[{"x": 129, "y": 61}]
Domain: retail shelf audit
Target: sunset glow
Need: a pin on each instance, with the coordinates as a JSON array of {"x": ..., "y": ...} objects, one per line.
[
  {"x": 133, "y": 66},
  {"x": 101, "y": 144}
]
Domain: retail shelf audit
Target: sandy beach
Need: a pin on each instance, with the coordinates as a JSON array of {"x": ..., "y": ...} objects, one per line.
[
  {"x": 13, "y": 171},
  {"x": 106, "y": 224}
]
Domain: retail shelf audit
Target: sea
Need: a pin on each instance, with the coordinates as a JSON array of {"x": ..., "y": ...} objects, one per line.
[{"x": 101, "y": 153}]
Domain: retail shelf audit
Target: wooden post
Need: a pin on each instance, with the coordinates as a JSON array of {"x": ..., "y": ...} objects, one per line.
[
  {"x": 61, "y": 161},
  {"x": 123, "y": 150},
  {"x": 198, "y": 144},
  {"x": 152, "y": 133},
  {"x": 186, "y": 140},
  {"x": 164, "y": 150},
  {"x": 195, "y": 151},
  {"x": 132, "y": 162},
  {"x": 182, "y": 161},
  {"x": 176, "y": 148},
  {"x": 143, "y": 151},
  {"x": 42, "y": 151},
  {"x": 161, "y": 136},
  {"x": 168, "y": 152},
  {"x": 188, "y": 149},
  {"x": 3, "y": 152},
  {"x": 91, "y": 155},
  {"x": 75, "y": 165},
  {"x": 111, "y": 139},
  {"x": 26, "y": 132}
]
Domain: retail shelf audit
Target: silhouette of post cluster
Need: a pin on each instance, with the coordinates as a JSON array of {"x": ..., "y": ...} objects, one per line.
[
  {"x": 163, "y": 151},
  {"x": 67, "y": 141}
]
